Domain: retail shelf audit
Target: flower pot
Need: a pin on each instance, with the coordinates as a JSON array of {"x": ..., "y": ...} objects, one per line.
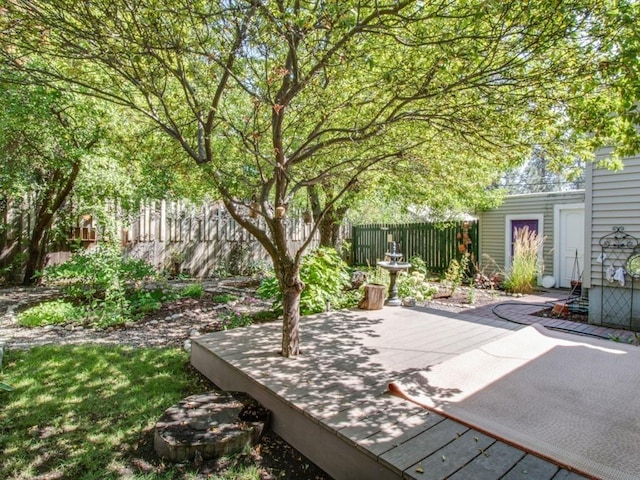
[
  {"x": 560, "y": 308},
  {"x": 576, "y": 286}
]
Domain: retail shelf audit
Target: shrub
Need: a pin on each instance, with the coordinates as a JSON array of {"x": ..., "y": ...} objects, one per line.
[
  {"x": 147, "y": 301},
  {"x": 104, "y": 282},
  {"x": 415, "y": 285},
  {"x": 48, "y": 313},
  {"x": 235, "y": 320},
  {"x": 192, "y": 291},
  {"x": 418, "y": 264},
  {"x": 525, "y": 267},
  {"x": 456, "y": 273},
  {"x": 265, "y": 316},
  {"x": 378, "y": 276},
  {"x": 325, "y": 275},
  {"x": 90, "y": 273}
]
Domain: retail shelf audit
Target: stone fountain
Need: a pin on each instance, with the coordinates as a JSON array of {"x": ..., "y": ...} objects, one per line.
[{"x": 393, "y": 266}]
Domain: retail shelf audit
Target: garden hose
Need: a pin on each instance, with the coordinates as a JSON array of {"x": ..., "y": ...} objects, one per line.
[{"x": 547, "y": 304}]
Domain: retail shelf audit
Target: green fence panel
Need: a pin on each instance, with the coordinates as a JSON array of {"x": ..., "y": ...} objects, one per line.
[{"x": 434, "y": 243}]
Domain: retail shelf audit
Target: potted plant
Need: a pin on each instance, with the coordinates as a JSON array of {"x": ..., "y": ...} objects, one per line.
[{"x": 375, "y": 290}]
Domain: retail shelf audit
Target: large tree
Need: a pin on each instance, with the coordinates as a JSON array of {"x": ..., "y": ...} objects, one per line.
[
  {"x": 70, "y": 154},
  {"x": 276, "y": 97},
  {"x": 44, "y": 136}
]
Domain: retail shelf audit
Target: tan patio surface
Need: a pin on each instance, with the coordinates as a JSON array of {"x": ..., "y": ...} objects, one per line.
[{"x": 331, "y": 403}]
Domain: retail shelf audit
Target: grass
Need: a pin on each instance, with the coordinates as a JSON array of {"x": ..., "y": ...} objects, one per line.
[{"x": 87, "y": 412}]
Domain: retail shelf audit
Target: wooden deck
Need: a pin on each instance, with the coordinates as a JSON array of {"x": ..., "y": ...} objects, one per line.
[{"x": 331, "y": 404}]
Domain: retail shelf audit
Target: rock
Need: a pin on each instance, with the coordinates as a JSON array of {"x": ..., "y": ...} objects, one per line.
[
  {"x": 187, "y": 345},
  {"x": 408, "y": 302},
  {"x": 358, "y": 278},
  {"x": 207, "y": 426},
  {"x": 194, "y": 333}
]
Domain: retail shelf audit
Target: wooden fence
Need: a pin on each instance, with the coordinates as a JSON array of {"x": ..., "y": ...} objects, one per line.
[
  {"x": 434, "y": 243},
  {"x": 200, "y": 241},
  {"x": 205, "y": 240},
  {"x": 171, "y": 235}
]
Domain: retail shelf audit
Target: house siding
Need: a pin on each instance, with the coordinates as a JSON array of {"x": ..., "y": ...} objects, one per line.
[
  {"x": 613, "y": 200},
  {"x": 493, "y": 224}
]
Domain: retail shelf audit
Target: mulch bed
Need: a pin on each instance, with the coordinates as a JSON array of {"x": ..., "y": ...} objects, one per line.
[{"x": 572, "y": 316}]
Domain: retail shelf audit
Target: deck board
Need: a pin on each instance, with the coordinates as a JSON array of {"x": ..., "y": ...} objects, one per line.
[
  {"x": 331, "y": 402},
  {"x": 390, "y": 437},
  {"x": 426, "y": 443},
  {"x": 453, "y": 457},
  {"x": 532, "y": 467},
  {"x": 495, "y": 462},
  {"x": 374, "y": 411}
]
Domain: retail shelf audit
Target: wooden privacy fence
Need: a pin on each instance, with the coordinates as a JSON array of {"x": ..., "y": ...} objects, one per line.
[
  {"x": 173, "y": 235},
  {"x": 202, "y": 241},
  {"x": 434, "y": 243}
]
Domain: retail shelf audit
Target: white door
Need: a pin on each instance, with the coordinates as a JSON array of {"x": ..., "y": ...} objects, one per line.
[{"x": 571, "y": 244}]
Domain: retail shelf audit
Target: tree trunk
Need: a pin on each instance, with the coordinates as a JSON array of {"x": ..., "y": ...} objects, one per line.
[
  {"x": 291, "y": 287},
  {"x": 35, "y": 257},
  {"x": 291, "y": 322},
  {"x": 287, "y": 270},
  {"x": 329, "y": 223},
  {"x": 326, "y": 230},
  {"x": 58, "y": 191}
]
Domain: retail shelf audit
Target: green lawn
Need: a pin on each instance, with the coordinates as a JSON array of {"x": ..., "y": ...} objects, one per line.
[{"x": 87, "y": 412}]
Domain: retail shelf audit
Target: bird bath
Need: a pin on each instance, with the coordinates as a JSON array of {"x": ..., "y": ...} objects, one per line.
[{"x": 394, "y": 267}]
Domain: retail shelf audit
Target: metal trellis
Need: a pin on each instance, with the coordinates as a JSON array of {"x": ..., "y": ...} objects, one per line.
[{"x": 616, "y": 308}]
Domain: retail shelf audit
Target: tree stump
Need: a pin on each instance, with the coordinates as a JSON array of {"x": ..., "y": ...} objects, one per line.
[
  {"x": 374, "y": 296},
  {"x": 207, "y": 426}
]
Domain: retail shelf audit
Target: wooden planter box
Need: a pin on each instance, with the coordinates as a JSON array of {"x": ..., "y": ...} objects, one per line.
[{"x": 374, "y": 296}]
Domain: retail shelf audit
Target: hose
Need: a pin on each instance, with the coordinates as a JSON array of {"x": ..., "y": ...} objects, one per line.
[{"x": 546, "y": 305}]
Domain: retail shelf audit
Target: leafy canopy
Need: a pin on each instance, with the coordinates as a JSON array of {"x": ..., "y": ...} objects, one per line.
[
  {"x": 327, "y": 89},
  {"x": 272, "y": 98}
]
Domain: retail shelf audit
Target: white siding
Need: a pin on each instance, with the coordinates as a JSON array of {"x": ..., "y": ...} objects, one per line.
[
  {"x": 613, "y": 200},
  {"x": 492, "y": 224}
]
